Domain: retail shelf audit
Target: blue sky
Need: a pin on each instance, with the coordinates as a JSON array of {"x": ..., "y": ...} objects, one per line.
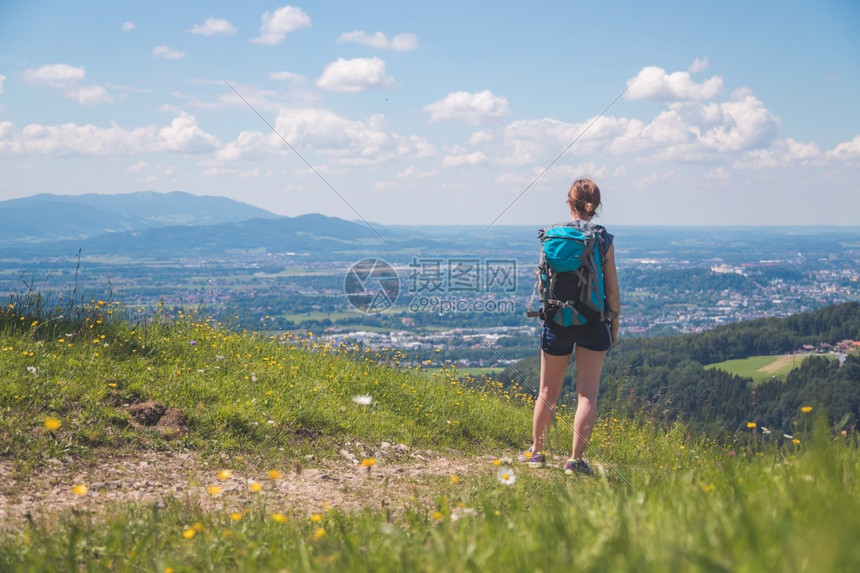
[{"x": 442, "y": 112}]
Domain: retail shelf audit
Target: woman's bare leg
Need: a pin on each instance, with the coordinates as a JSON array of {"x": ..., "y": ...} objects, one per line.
[
  {"x": 589, "y": 365},
  {"x": 551, "y": 379}
]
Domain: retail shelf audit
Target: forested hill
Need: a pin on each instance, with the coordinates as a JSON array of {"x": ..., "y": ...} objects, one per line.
[
  {"x": 742, "y": 339},
  {"x": 666, "y": 378}
]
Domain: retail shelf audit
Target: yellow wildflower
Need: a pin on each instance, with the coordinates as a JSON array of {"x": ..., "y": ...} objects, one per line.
[
  {"x": 236, "y": 516},
  {"x": 319, "y": 533},
  {"x": 368, "y": 463},
  {"x": 52, "y": 424},
  {"x": 80, "y": 490},
  {"x": 189, "y": 533},
  {"x": 279, "y": 517},
  {"x": 255, "y": 487},
  {"x": 316, "y": 518},
  {"x": 806, "y": 409},
  {"x": 751, "y": 425},
  {"x": 224, "y": 475},
  {"x": 454, "y": 479},
  {"x": 274, "y": 474},
  {"x": 214, "y": 489}
]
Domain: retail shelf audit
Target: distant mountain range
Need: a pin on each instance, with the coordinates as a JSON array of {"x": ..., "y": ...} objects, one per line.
[
  {"x": 180, "y": 224},
  {"x": 49, "y": 217}
]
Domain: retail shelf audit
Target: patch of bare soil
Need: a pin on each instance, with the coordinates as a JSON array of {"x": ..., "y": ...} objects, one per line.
[
  {"x": 777, "y": 364},
  {"x": 154, "y": 477},
  {"x": 169, "y": 421}
]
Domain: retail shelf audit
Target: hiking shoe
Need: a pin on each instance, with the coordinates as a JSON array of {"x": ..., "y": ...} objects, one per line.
[
  {"x": 525, "y": 456},
  {"x": 579, "y": 466},
  {"x": 538, "y": 460}
]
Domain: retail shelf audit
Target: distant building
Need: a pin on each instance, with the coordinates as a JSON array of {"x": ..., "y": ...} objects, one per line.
[{"x": 727, "y": 269}]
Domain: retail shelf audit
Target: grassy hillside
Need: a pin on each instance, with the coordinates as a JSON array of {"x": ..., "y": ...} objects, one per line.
[{"x": 268, "y": 483}]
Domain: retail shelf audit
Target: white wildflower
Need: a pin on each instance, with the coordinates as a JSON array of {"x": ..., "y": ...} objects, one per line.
[{"x": 506, "y": 476}]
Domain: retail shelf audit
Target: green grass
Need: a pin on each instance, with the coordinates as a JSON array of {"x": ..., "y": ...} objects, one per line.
[
  {"x": 319, "y": 315},
  {"x": 476, "y": 371},
  {"x": 760, "y": 368},
  {"x": 667, "y": 500},
  {"x": 241, "y": 392}
]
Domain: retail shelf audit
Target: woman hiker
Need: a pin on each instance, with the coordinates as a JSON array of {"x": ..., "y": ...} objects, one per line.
[{"x": 589, "y": 342}]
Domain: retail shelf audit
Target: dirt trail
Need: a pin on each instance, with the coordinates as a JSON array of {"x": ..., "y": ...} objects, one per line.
[{"x": 153, "y": 477}]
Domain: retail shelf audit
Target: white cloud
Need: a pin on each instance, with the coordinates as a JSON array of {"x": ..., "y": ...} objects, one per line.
[
  {"x": 695, "y": 131},
  {"x": 7, "y": 131},
  {"x": 399, "y": 43},
  {"x": 411, "y": 173},
  {"x": 151, "y": 173},
  {"x": 464, "y": 159},
  {"x": 686, "y": 131},
  {"x": 537, "y": 140},
  {"x": 698, "y": 65},
  {"x": 66, "y": 79},
  {"x": 655, "y": 83},
  {"x": 218, "y": 95},
  {"x": 213, "y": 26},
  {"x": 480, "y": 137},
  {"x": 736, "y": 125},
  {"x": 167, "y": 53},
  {"x": 473, "y": 108},
  {"x": 355, "y": 75},
  {"x": 2, "y": 79},
  {"x": 344, "y": 141},
  {"x": 275, "y": 26},
  {"x": 182, "y": 135},
  {"x": 846, "y": 150},
  {"x": 54, "y": 75},
  {"x": 781, "y": 153},
  {"x": 135, "y": 167},
  {"x": 291, "y": 77},
  {"x": 128, "y": 26},
  {"x": 92, "y": 95},
  {"x": 217, "y": 171},
  {"x": 718, "y": 174}
]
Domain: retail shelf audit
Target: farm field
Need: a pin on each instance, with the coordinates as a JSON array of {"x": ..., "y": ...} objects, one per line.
[{"x": 761, "y": 368}]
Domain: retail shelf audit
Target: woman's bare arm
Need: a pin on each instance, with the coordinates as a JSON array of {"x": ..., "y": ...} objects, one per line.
[{"x": 611, "y": 290}]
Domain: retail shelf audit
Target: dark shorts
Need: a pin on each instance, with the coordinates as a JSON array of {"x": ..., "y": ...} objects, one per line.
[{"x": 597, "y": 338}]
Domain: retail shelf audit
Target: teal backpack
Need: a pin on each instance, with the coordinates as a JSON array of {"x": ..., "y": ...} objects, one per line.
[{"x": 570, "y": 277}]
